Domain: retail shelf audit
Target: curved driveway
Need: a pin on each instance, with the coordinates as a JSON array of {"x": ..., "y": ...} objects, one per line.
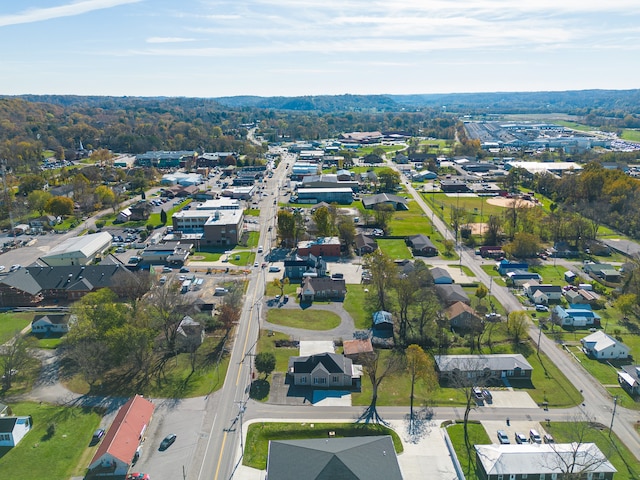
[{"x": 344, "y": 330}]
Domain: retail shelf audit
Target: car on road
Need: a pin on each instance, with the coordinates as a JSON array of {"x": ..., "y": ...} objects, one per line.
[
  {"x": 477, "y": 392},
  {"x": 542, "y": 308},
  {"x": 520, "y": 437},
  {"x": 503, "y": 437},
  {"x": 167, "y": 441},
  {"x": 256, "y": 264}
]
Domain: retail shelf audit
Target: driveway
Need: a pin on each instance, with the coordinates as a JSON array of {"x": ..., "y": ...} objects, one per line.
[{"x": 344, "y": 330}]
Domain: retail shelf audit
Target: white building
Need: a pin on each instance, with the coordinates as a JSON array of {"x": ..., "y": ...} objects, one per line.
[
  {"x": 599, "y": 345},
  {"x": 79, "y": 250},
  {"x": 13, "y": 429}
]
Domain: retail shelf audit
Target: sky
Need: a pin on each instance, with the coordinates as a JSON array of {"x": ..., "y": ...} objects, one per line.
[{"x": 213, "y": 48}]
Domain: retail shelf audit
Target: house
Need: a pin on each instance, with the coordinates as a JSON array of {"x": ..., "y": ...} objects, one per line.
[
  {"x": 441, "y": 276},
  {"x": 422, "y": 245},
  {"x": 404, "y": 267},
  {"x": 629, "y": 378},
  {"x": 13, "y": 429},
  {"x": 299, "y": 267},
  {"x": 599, "y": 345},
  {"x": 462, "y": 316},
  {"x": 365, "y": 244},
  {"x": 124, "y": 216},
  {"x": 357, "y": 349},
  {"x": 491, "y": 251},
  {"x": 189, "y": 334},
  {"x": 140, "y": 211},
  {"x": 166, "y": 253},
  {"x": 115, "y": 454},
  {"x": 450, "y": 294},
  {"x": 575, "y": 316},
  {"x": 321, "y": 246},
  {"x": 542, "y": 293},
  {"x": 519, "y": 277},
  {"x": 512, "y": 366},
  {"x": 53, "y": 323},
  {"x": 453, "y": 186},
  {"x": 382, "y": 320},
  {"x": 603, "y": 271},
  {"x": 505, "y": 266},
  {"x": 324, "y": 370},
  {"x": 333, "y": 459},
  {"x": 549, "y": 460},
  {"x": 322, "y": 288},
  {"x": 398, "y": 203},
  {"x": 580, "y": 296}
]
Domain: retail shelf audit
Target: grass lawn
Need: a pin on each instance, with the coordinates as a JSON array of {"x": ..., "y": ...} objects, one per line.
[
  {"x": 202, "y": 256},
  {"x": 475, "y": 208},
  {"x": 11, "y": 323},
  {"x": 179, "y": 383},
  {"x": 605, "y": 372},
  {"x": 410, "y": 222},
  {"x": 492, "y": 272},
  {"x": 272, "y": 290},
  {"x": 477, "y": 436},
  {"x": 48, "y": 341},
  {"x": 615, "y": 451},
  {"x": 307, "y": 319},
  {"x": 549, "y": 273},
  {"x": 259, "y": 434},
  {"x": 246, "y": 258},
  {"x": 252, "y": 212},
  {"x": 267, "y": 343},
  {"x": 396, "y": 249},
  {"x": 549, "y": 384},
  {"x": 467, "y": 271},
  {"x": 252, "y": 239},
  {"x": 57, "y": 457},
  {"x": 355, "y": 304},
  {"x": 631, "y": 134}
]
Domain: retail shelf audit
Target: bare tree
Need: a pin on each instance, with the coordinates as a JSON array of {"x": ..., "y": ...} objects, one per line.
[
  {"x": 91, "y": 357},
  {"x": 377, "y": 371},
  {"x": 13, "y": 357}
]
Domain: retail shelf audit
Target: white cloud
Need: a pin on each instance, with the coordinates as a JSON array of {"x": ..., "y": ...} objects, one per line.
[
  {"x": 68, "y": 10},
  {"x": 169, "y": 40}
]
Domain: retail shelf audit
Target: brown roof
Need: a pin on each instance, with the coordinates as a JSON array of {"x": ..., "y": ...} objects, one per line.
[
  {"x": 355, "y": 347},
  {"x": 123, "y": 437},
  {"x": 457, "y": 309}
]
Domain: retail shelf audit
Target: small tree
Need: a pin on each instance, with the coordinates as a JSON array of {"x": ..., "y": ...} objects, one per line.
[
  {"x": 265, "y": 363},
  {"x": 517, "y": 324},
  {"x": 163, "y": 217},
  {"x": 421, "y": 368}
]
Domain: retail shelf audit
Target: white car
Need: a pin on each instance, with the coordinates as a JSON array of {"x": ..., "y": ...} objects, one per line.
[{"x": 256, "y": 264}]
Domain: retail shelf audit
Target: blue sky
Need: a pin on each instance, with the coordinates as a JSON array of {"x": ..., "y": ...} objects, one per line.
[{"x": 210, "y": 48}]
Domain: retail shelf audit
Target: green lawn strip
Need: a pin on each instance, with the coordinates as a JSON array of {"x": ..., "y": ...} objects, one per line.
[
  {"x": 259, "y": 435},
  {"x": 356, "y": 303},
  {"x": 267, "y": 343},
  {"x": 179, "y": 382},
  {"x": 272, "y": 290},
  {"x": 252, "y": 239},
  {"x": 252, "y": 212},
  {"x": 550, "y": 274},
  {"x": 631, "y": 134},
  {"x": 54, "y": 457},
  {"x": 616, "y": 452},
  {"x": 202, "y": 256},
  {"x": 548, "y": 384},
  {"x": 467, "y": 271},
  {"x": 50, "y": 341},
  {"x": 410, "y": 222},
  {"x": 492, "y": 272},
  {"x": 606, "y": 372},
  {"x": 477, "y": 436},
  {"x": 246, "y": 258},
  {"x": 12, "y": 323},
  {"x": 307, "y": 319},
  {"x": 624, "y": 399},
  {"x": 394, "y": 248}
]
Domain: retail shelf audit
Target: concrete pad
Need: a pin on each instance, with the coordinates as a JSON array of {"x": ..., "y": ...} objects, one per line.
[
  {"x": 509, "y": 399},
  {"x": 331, "y": 398},
  {"x": 313, "y": 347},
  {"x": 426, "y": 456},
  {"x": 352, "y": 272},
  {"x": 523, "y": 427}
]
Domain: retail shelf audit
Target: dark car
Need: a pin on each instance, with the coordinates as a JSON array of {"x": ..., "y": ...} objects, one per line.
[
  {"x": 184, "y": 269},
  {"x": 167, "y": 442},
  {"x": 97, "y": 435}
]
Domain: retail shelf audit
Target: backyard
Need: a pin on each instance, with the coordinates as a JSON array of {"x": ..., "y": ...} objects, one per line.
[{"x": 308, "y": 319}]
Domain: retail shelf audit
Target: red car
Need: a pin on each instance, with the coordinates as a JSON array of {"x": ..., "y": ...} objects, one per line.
[{"x": 138, "y": 476}]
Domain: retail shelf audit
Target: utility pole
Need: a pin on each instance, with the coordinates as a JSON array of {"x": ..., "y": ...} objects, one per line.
[
  {"x": 613, "y": 414},
  {"x": 7, "y": 199}
]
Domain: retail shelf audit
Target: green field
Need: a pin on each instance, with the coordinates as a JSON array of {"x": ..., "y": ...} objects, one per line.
[
  {"x": 267, "y": 343},
  {"x": 356, "y": 302},
  {"x": 410, "y": 222},
  {"x": 57, "y": 456},
  {"x": 307, "y": 319},
  {"x": 477, "y": 436},
  {"x": 631, "y": 134},
  {"x": 259, "y": 434},
  {"x": 396, "y": 249},
  {"x": 11, "y": 323}
]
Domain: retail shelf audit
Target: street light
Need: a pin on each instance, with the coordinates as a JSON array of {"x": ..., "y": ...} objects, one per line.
[{"x": 613, "y": 414}]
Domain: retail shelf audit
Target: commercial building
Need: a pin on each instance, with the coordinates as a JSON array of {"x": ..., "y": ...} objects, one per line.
[
  {"x": 322, "y": 246},
  {"x": 342, "y": 196},
  {"x": 79, "y": 250},
  {"x": 209, "y": 227}
]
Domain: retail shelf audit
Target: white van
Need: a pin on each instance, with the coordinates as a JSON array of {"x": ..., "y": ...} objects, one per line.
[
  {"x": 220, "y": 291},
  {"x": 534, "y": 436}
]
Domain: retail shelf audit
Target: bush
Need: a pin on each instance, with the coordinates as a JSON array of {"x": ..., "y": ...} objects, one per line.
[{"x": 100, "y": 224}]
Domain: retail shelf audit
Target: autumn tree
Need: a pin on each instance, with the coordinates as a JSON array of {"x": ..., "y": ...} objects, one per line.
[
  {"x": 37, "y": 200},
  {"x": 389, "y": 179},
  {"x": 59, "y": 206},
  {"x": 383, "y": 272},
  {"x": 421, "y": 369},
  {"x": 346, "y": 231},
  {"x": 286, "y": 227},
  {"x": 523, "y": 245},
  {"x": 517, "y": 325},
  {"x": 378, "y": 369},
  {"x": 104, "y": 196}
]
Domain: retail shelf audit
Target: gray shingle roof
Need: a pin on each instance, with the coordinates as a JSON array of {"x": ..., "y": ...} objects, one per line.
[
  {"x": 496, "y": 362},
  {"x": 333, "y": 362},
  {"x": 350, "y": 458}
]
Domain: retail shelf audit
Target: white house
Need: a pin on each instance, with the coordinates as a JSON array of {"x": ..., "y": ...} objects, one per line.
[
  {"x": 13, "y": 429},
  {"x": 53, "y": 323},
  {"x": 599, "y": 345},
  {"x": 542, "y": 293},
  {"x": 124, "y": 216}
]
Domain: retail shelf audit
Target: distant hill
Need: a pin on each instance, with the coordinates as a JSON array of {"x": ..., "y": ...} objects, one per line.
[{"x": 574, "y": 101}]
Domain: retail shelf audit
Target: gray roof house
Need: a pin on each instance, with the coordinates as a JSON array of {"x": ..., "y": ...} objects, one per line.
[
  {"x": 365, "y": 244},
  {"x": 348, "y": 458},
  {"x": 398, "y": 203},
  {"x": 450, "y": 294},
  {"x": 383, "y": 320},
  {"x": 549, "y": 460},
  {"x": 422, "y": 245},
  {"x": 322, "y": 288},
  {"x": 629, "y": 378},
  {"x": 324, "y": 370},
  {"x": 53, "y": 323},
  {"x": 497, "y": 366},
  {"x": 441, "y": 276}
]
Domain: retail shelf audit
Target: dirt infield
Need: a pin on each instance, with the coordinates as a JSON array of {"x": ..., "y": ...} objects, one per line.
[{"x": 508, "y": 202}]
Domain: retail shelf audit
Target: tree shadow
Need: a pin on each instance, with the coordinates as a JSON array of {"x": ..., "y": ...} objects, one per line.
[
  {"x": 371, "y": 415},
  {"x": 259, "y": 389}
]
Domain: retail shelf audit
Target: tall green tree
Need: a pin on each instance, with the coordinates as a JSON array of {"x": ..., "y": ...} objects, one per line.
[
  {"x": 37, "y": 200},
  {"x": 383, "y": 273},
  {"x": 323, "y": 221},
  {"x": 265, "y": 363},
  {"x": 389, "y": 179},
  {"x": 59, "y": 206}
]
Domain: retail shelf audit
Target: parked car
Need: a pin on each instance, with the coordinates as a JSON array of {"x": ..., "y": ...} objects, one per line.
[
  {"x": 520, "y": 438},
  {"x": 274, "y": 269},
  {"x": 138, "y": 476},
  {"x": 184, "y": 269},
  {"x": 168, "y": 441},
  {"x": 166, "y": 269},
  {"x": 97, "y": 435},
  {"x": 477, "y": 392},
  {"x": 15, "y": 267},
  {"x": 542, "y": 308},
  {"x": 548, "y": 438},
  {"x": 487, "y": 395},
  {"x": 503, "y": 438},
  {"x": 534, "y": 436}
]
